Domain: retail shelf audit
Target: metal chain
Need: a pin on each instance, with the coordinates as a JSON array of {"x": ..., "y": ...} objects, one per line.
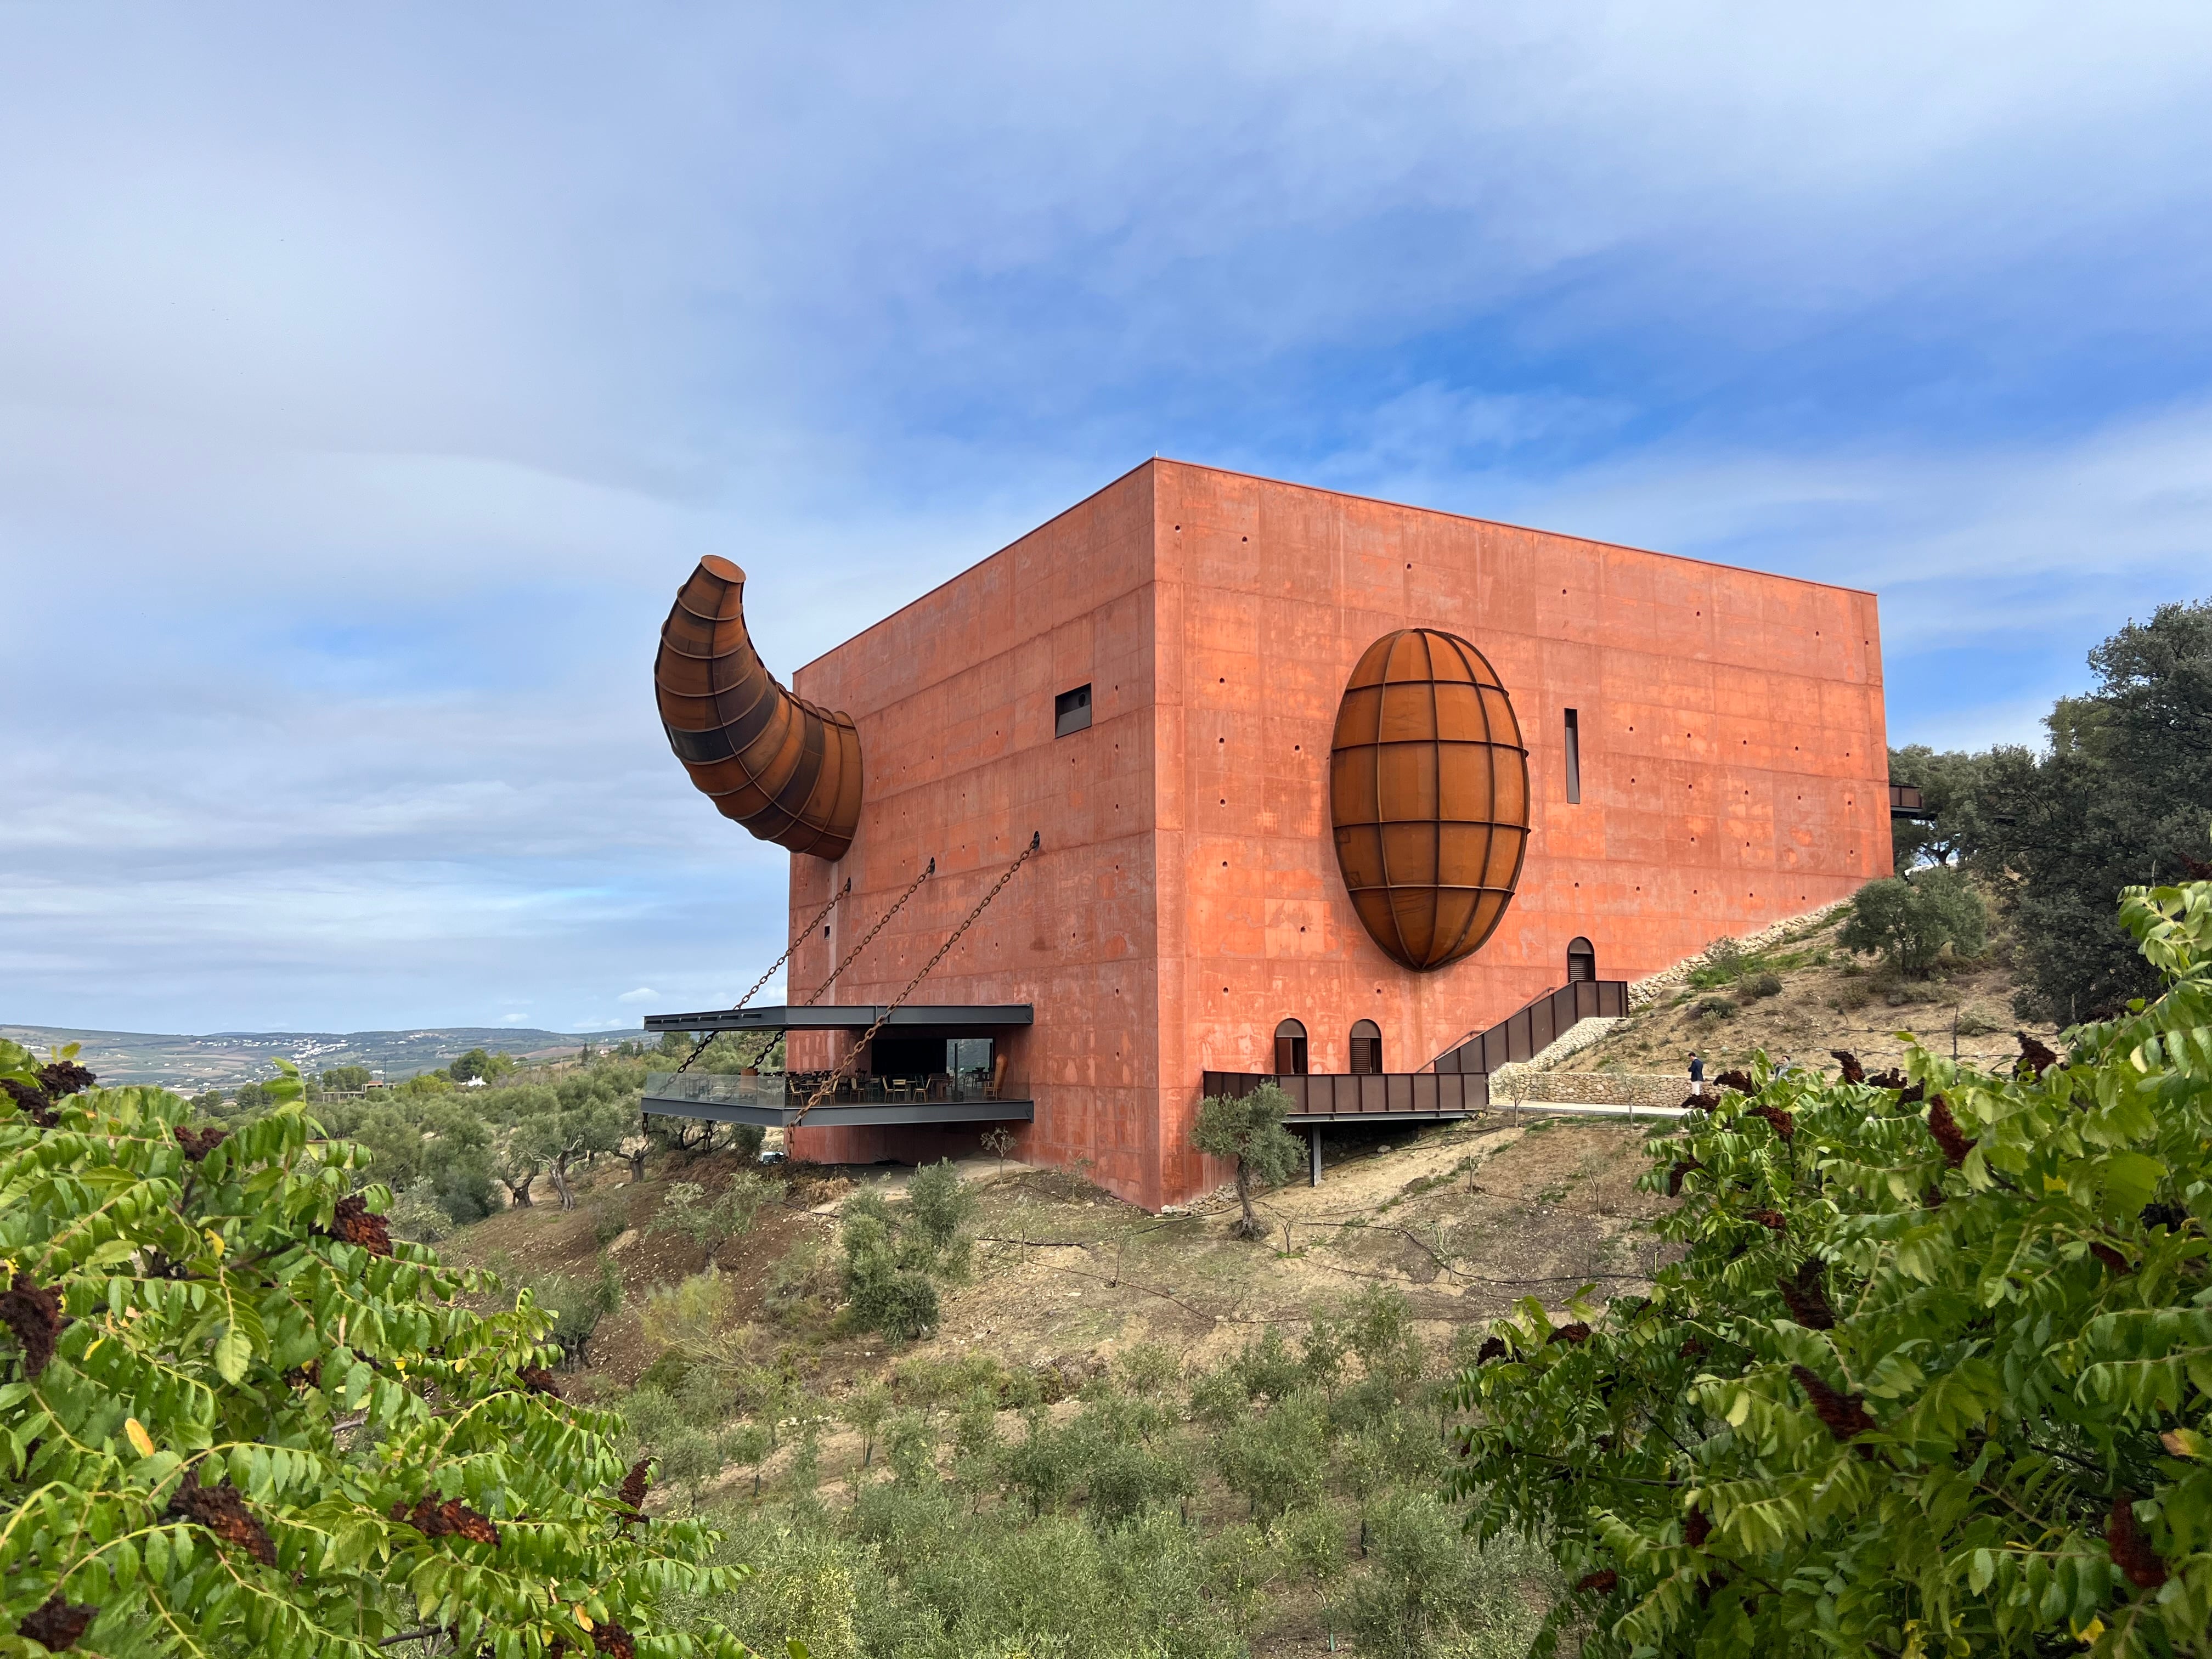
[
  {"x": 814, "y": 995},
  {"x": 845, "y": 1066},
  {"x": 706, "y": 1038}
]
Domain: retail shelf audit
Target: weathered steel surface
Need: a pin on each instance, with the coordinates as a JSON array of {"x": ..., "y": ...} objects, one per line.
[
  {"x": 1528, "y": 1032},
  {"x": 788, "y": 771},
  {"x": 1734, "y": 773},
  {"x": 1331, "y": 1096},
  {"x": 1429, "y": 794},
  {"x": 961, "y": 1019}
]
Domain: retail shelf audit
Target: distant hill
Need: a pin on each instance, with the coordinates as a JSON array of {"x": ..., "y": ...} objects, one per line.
[{"x": 223, "y": 1059}]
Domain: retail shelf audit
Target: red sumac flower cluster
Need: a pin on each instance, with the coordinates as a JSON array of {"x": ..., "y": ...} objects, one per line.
[
  {"x": 221, "y": 1510},
  {"x": 35, "y": 1314},
  {"x": 354, "y": 1223},
  {"x": 451, "y": 1518}
]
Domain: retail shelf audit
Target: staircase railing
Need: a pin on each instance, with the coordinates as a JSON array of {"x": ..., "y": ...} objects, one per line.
[{"x": 1528, "y": 1032}]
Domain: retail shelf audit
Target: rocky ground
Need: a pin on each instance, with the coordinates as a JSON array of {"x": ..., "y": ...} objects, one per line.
[{"x": 1808, "y": 995}]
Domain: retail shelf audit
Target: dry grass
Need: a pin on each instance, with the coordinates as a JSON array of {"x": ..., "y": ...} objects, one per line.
[
  {"x": 1828, "y": 999},
  {"x": 1464, "y": 1219}
]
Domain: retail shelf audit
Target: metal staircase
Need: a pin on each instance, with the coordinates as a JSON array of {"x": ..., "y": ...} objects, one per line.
[{"x": 1528, "y": 1032}]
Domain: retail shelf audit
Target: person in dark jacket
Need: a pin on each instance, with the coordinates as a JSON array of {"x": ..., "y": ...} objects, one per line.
[{"x": 1697, "y": 1072}]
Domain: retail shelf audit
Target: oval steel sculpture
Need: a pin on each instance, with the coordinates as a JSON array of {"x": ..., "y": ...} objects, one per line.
[
  {"x": 786, "y": 770},
  {"x": 1428, "y": 790}
]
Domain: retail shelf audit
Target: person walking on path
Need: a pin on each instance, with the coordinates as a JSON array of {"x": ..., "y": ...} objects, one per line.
[{"x": 1697, "y": 1072}]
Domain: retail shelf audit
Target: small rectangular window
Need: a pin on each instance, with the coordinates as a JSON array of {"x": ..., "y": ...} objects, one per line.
[
  {"x": 1071, "y": 711},
  {"x": 1574, "y": 759}
]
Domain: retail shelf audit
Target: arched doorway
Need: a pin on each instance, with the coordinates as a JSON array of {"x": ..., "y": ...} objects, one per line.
[
  {"x": 1289, "y": 1049},
  {"x": 1366, "y": 1048},
  {"x": 1582, "y": 961}
]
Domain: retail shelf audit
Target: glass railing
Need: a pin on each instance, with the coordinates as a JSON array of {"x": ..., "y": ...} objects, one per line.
[
  {"x": 788, "y": 1091},
  {"x": 727, "y": 1089}
]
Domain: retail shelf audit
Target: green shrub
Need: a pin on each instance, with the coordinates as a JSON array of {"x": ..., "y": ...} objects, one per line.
[
  {"x": 1724, "y": 963},
  {"x": 710, "y": 1223},
  {"x": 1277, "y": 1459},
  {"x": 666, "y": 1373},
  {"x": 1909, "y": 924},
  {"x": 806, "y": 1587},
  {"x": 581, "y": 1305},
  {"x": 901, "y": 1303},
  {"x": 1124, "y": 1479},
  {"x": 890, "y": 1256},
  {"x": 1432, "y": 1590},
  {"x": 1267, "y": 1369},
  {"x": 932, "y": 1381},
  {"x": 418, "y": 1216},
  {"x": 910, "y": 1448},
  {"x": 939, "y": 1204},
  {"x": 1712, "y": 1008},
  {"x": 1755, "y": 986},
  {"x": 1040, "y": 1467},
  {"x": 803, "y": 1275}
]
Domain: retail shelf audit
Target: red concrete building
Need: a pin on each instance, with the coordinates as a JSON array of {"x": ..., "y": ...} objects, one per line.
[{"x": 1150, "y": 683}]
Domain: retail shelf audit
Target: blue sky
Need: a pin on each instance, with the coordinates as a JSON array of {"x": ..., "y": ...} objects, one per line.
[{"x": 369, "y": 380}]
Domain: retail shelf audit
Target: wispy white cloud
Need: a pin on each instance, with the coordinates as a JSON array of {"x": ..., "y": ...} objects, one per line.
[{"x": 368, "y": 382}]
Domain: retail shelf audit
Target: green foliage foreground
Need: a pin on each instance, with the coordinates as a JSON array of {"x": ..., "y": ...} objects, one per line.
[
  {"x": 1932, "y": 1377},
  {"x": 236, "y": 1419}
]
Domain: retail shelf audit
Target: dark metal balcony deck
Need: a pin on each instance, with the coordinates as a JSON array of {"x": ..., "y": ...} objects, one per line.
[
  {"x": 774, "y": 1101},
  {"x": 1905, "y": 802},
  {"x": 953, "y": 1019},
  {"x": 1382, "y": 1097}
]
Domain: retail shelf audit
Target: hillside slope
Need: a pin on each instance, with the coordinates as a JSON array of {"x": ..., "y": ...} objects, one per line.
[
  {"x": 973, "y": 1491},
  {"x": 1807, "y": 995}
]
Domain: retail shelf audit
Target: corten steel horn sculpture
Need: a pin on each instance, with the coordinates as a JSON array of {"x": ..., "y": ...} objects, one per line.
[
  {"x": 1428, "y": 789},
  {"x": 786, "y": 770}
]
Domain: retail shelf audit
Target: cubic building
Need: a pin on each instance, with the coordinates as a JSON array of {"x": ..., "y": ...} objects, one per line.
[{"x": 1270, "y": 783}]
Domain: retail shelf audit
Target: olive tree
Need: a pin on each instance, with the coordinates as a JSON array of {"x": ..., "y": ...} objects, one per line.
[
  {"x": 1249, "y": 1128},
  {"x": 1909, "y": 922}
]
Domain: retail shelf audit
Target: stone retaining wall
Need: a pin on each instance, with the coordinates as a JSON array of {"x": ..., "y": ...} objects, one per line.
[
  {"x": 1597, "y": 1088},
  {"x": 1644, "y": 991}
]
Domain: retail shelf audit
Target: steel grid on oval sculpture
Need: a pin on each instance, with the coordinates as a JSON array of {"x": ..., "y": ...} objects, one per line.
[
  {"x": 786, "y": 770},
  {"x": 1429, "y": 796}
]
